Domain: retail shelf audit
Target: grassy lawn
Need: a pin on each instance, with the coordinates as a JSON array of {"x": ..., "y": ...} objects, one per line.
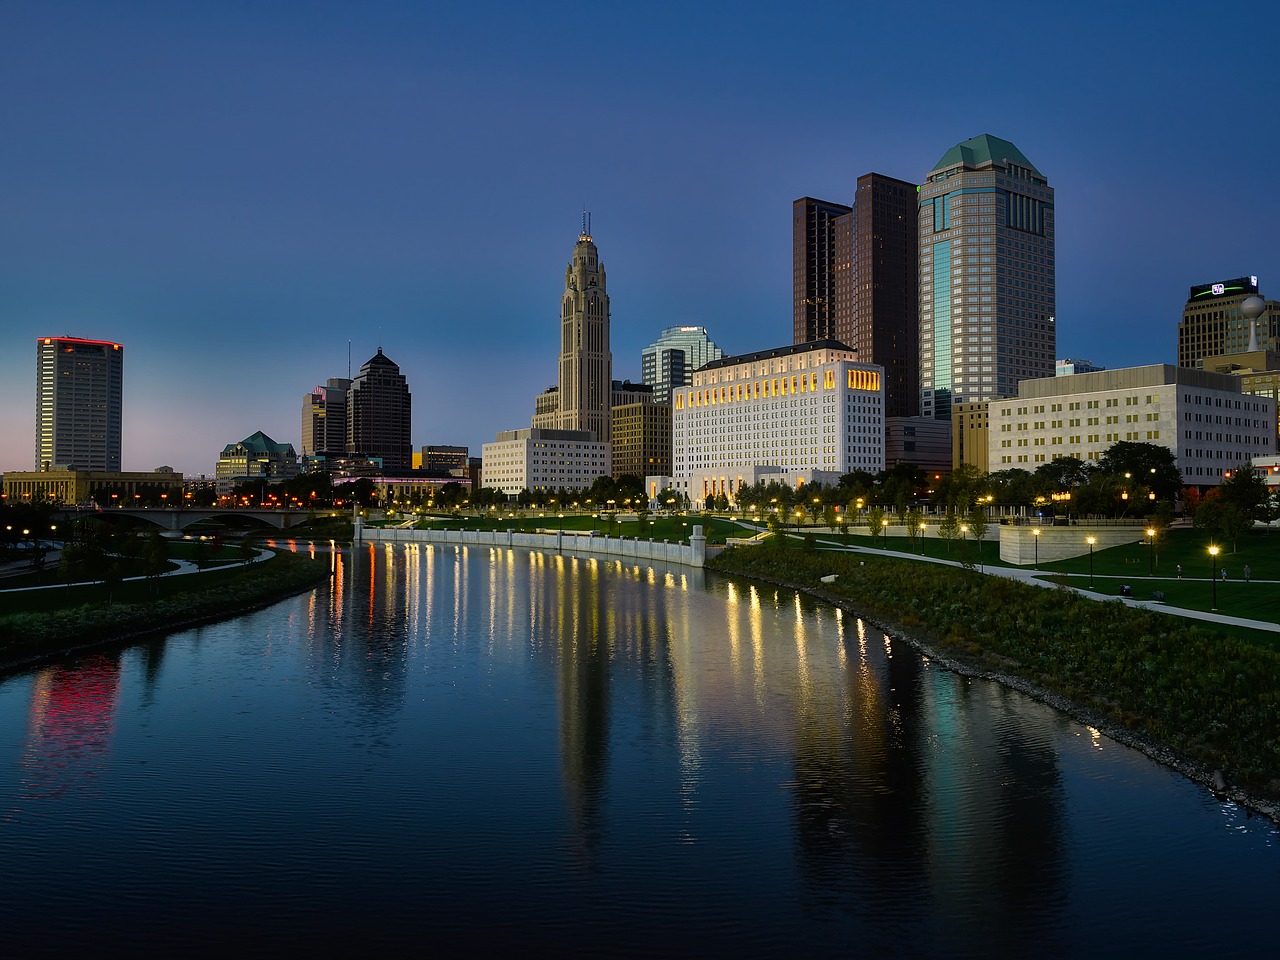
[
  {"x": 1130, "y": 564},
  {"x": 135, "y": 591}
]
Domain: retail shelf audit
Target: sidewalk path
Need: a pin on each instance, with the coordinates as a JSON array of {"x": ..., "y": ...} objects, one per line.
[
  {"x": 1033, "y": 577},
  {"x": 185, "y": 567}
]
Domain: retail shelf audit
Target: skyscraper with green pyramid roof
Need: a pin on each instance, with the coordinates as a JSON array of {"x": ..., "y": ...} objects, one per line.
[{"x": 987, "y": 290}]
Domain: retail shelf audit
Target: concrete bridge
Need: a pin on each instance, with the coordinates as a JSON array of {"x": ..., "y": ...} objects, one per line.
[{"x": 180, "y": 518}]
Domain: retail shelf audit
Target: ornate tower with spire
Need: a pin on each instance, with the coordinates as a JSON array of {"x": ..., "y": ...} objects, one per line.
[{"x": 582, "y": 399}]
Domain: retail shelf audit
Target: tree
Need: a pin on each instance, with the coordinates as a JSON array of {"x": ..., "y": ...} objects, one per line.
[
  {"x": 913, "y": 520},
  {"x": 247, "y": 550},
  {"x": 1151, "y": 464},
  {"x": 876, "y": 519},
  {"x": 978, "y": 527},
  {"x": 949, "y": 528},
  {"x": 1246, "y": 491}
]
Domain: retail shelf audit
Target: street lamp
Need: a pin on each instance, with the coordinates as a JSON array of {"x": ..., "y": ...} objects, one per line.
[
  {"x": 922, "y": 538},
  {"x": 1151, "y": 551},
  {"x": 884, "y": 530},
  {"x": 1213, "y": 573},
  {"x": 1091, "y": 541},
  {"x": 1035, "y": 535}
]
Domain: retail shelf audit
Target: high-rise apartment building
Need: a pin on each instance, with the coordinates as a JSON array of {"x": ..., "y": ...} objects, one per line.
[
  {"x": 79, "y": 403},
  {"x": 324, "y": 419},
  {"x": 987, "y": 288},
  {"x": 668, "y": 363},
  {"x": 822, "y": 253},
  {"x": 1212, "y": 323},
  {"x": 379, "y": 415},
  {"x": 581, "y": 400},
  {"x": 880, "y": 317}
]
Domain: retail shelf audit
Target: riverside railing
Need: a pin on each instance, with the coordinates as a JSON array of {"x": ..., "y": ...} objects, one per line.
[{"x": 691, "y": 554}]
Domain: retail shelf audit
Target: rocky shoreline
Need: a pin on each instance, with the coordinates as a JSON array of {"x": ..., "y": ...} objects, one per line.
[{"x": 1215, "y": 780}]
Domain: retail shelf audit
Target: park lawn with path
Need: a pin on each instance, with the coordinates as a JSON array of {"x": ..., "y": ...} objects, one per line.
[
  {"x": 1189, "y": 694},
  {"x": 40, "y": 623}
]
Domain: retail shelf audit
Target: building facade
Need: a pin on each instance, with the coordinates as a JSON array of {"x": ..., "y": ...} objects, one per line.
[
  {"x": 79, "y": 403},
  {"x": 1068, "y": 367},
  {"x": 668, "y": 363},
  {"x": 970, "y": 435},
  {"x": 798, "y": 412},
  {"x": 441, "y": 460},
  {"x": 538, "y": 459},
  {"x": 641, "y": 443},
  {"x": 987, "y": 275},
  {"x": 1212, "y": 323},
  {"x": 324, "y": 419},
  {"x": 1202, "y": 417},
  {"x": 922, "y": 441},
  {"x": 818, "y": 228},
  {"x": 581, "y": 399},
  {"x": 253, "y": 458},
  {"x": 379, "y": 415},
  {"x": 880, "y": 316},
  {"x": 104, "y": 488}
]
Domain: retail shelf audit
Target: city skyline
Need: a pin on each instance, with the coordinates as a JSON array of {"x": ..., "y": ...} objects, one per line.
[{"x": 198, "y": 185}]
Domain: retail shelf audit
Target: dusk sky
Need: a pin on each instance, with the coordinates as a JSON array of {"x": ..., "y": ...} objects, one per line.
[{"x": 233, "y": 190}]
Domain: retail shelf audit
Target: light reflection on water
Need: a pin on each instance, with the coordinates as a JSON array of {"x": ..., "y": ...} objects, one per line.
[{"x": 557, "y": 752}]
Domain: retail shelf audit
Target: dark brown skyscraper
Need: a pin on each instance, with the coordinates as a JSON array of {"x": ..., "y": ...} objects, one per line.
[
  {"x": 815, "y": 226},
  {"x": 881, "y": 320},
  {"x": 855, "y": 281},
  {"x": 378, "y": 415}
]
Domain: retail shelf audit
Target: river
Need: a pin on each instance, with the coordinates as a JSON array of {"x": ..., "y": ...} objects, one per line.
[{"x": 457, "y": 750}]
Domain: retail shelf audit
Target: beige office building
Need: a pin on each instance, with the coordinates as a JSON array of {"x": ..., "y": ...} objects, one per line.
[{"x": 1203, "y": 417}]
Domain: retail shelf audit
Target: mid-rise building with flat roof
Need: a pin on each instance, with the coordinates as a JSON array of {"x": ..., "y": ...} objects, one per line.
[
  {"x": 641, "y": 439},
  {"x": 970, "y": 434},
  {"x": 795, "y": 412},
  {"x": 537, "y": 459},
  {"x": 103, "y": 488},
  {"x": 1067, "y": 367},
  {"x": 79, "y": 403},
  {"x": 1202, "y": 417}
]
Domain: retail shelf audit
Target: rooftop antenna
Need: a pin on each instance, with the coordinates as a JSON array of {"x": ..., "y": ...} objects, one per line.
[{"x": 348, "y": 359}]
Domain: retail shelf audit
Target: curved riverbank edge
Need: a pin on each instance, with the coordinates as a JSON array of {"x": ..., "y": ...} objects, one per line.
[
  {"x": 956, "y": 662},
  {"x": 211, "y": 605}
]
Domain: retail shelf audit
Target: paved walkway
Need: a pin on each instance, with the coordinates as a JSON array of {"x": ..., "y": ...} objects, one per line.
[
  {"x": 185, "y": 568},
  {"x": 1033, "y": 577}
]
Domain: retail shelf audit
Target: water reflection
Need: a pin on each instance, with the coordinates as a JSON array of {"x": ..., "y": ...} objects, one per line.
[
  {"x": 69, "y": 727},
  {"x": 610, "y": 756}
]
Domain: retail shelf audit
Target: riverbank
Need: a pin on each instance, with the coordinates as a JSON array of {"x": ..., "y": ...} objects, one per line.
[
  {"x": 31, "y": 635},
  {"x": 1204, "y": 704}
]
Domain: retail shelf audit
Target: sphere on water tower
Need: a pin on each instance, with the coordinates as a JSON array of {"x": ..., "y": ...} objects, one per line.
[{"x": 1253, "y": 308}]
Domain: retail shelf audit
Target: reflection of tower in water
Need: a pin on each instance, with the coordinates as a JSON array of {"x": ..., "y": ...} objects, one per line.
[{"x": 70, "y": 725}]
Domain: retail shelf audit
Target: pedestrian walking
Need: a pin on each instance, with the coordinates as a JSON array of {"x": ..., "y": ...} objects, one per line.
[
  {"x": 1179, "y": 571},
  {"x": 1247, "y": 573},
  {"x": 1224, "y": 573}
]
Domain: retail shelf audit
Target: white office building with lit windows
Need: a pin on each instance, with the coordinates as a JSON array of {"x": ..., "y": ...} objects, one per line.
[
  {"x": 1206, "y": 421},
  {"x": 544, "y": 459},
  {"x": 804, "y": 413}
]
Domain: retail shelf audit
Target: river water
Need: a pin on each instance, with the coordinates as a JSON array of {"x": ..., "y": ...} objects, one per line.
[{"x": 459, "y": 750}]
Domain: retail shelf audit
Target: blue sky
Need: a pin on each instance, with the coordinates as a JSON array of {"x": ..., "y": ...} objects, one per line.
[{"x": 235, "y": 190}]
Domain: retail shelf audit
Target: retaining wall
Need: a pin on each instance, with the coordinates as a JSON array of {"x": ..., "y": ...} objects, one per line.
[{"x": 692, "y": 554}]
